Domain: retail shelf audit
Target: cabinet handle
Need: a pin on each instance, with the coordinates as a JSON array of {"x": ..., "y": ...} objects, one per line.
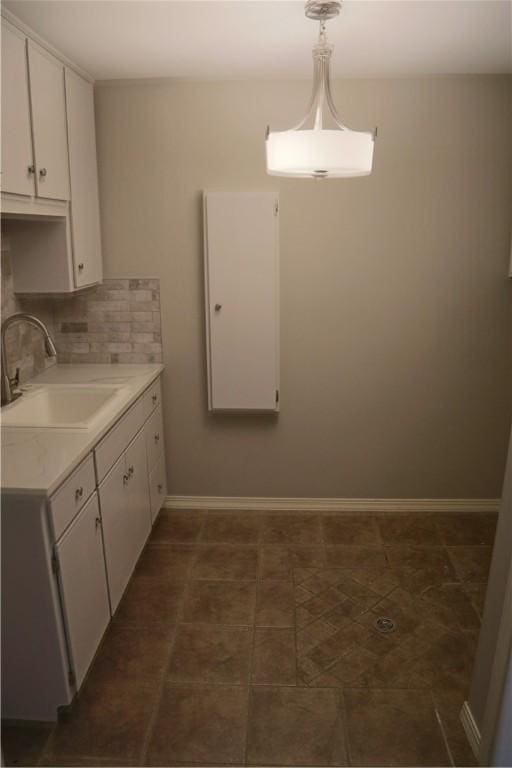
[
  {"x": 159, "y": 487},
  {"x": 80, "y": 266},
  {"x": 157, "y": 437},
  {"x": 31, "y": 169},
  {"x": 218, "y": 307},
  {"x": 154, "y": 399},
  {"x": 131, "y": 470},
  {"x": 43, "y": 172},
  {"x": 125, "y": 479},
  {"x": 79, "y": 493},
  {"x": 98, "y": 522}
]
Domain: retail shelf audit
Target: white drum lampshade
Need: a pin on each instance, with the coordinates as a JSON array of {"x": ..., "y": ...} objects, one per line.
[
  {"x": 320, "y": 146},
  {"x": 320, "y": 153}
]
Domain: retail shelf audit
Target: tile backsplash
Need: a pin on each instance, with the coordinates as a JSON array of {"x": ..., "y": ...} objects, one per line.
[{"x": 116, "y": 322}]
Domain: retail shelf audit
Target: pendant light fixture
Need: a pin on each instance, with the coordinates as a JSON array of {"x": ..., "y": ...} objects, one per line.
[{"x": 320, "y": 146}]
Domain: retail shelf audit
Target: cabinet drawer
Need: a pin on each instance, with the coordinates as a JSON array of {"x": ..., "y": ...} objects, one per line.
[
  {"x": 71, "y": 496},
  {"x": 157, "y": 487},
  {"x": 152, "y": 398},
  {"x": 115, "y": 442},
  {"x": 154, "y": 432}
]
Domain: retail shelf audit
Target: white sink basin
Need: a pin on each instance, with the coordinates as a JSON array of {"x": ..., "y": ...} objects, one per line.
[{"x": 62, "y": 407}]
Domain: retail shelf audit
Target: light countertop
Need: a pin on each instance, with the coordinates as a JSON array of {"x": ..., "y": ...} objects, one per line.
[{"x": 37, "y": 461}]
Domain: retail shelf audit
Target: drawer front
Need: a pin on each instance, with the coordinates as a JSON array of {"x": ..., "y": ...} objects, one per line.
[
  {"x": 115, "y": 442},
  {"x": 157, "y": 487},
  {"x": 71, "y": 496},
  {"x": 154, "y": 431},
  {"x": 152, "y": 398}
]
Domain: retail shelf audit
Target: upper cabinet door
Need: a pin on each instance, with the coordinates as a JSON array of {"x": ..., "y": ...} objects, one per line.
[
  {"x": 49, "y": 124},
  {"x": 85, "y": 214},
  {"x": 17, "y": 156},
  {"x": 242, "y": 292}
]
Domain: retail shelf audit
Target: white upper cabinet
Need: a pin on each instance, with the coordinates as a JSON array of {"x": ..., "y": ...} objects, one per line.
[
  {"x": 49, "y": 167},
  {"x": 242, "y": 300},
  {"x": 17, "y": 159},
  {"x": 48, "y": 102},
  {"x": 85, "y": 214}
]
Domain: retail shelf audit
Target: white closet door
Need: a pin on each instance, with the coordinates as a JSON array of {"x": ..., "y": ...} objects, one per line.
[{"x": 242, "y": 289}]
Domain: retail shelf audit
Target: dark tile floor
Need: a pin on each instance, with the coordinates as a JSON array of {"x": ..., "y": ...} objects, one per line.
[{"x": 250, "y": 639}]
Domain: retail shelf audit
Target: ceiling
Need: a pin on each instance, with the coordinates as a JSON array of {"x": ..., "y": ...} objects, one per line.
[{"x": 267, "y": 38}]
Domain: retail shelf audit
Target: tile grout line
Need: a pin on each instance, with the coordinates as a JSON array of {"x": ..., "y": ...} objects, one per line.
[
  {"x": 43, "y": 753},
  {"x": 442, "y": 729},
  {"x": 253, "y": 643},
  {"x": 295, "y": 625},
  {"x": 344, "y": 719},
  {"x": 446, "y": 550},
  {"x": 379, "y": 532},
  {"x": 158, "y": 698},
  {"x": 313, "y": 620}
]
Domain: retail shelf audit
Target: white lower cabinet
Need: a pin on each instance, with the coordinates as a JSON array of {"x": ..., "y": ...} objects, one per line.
[
  {"x": 137, "y": 491},
  {"x": 154, "y": 432},
  {"x": 116, "y": 530},
  {"x": 125, "y": 511},
  {"x": 83, "y": 587},
  {"x": 157, "y": 487},
  {"x": 66, "y": 560}
]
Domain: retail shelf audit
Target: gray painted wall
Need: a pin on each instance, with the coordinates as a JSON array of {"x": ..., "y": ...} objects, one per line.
[{"x": 395, "y": 306}]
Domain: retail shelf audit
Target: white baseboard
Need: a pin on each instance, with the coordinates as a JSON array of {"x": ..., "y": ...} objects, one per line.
[
  {"x": 471, "y": 728},
  {"x": 263, "y": 503}
]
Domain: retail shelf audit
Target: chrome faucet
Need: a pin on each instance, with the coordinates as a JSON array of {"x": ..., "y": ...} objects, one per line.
[{"x": 10, "y": 383}]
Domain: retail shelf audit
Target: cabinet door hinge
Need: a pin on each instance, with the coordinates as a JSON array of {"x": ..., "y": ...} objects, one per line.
[
  {"x": 55, "y": 564},
  {"x": 276, "y": 207},
  {"x": 277, "y": 395}
]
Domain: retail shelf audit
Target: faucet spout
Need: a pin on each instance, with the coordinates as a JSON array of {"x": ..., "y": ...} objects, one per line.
[
  {"x": 49, "y": 347},
  {"x": 9, "y": 383}
]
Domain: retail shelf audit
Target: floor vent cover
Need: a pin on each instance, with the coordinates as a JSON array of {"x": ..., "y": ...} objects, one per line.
[{"x": 385, "y": 625}]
